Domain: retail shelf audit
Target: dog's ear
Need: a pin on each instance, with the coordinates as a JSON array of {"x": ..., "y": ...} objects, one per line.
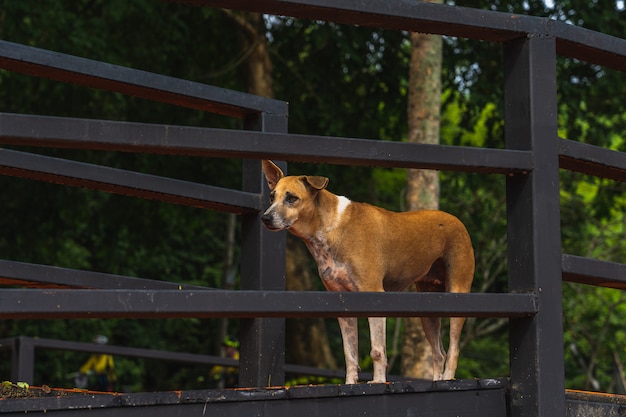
[
  {"x": 319, "y": 183},
  {"x": 272, "y": 173}
]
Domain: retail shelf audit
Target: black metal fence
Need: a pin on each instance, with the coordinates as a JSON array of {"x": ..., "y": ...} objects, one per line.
[
  {"x": 23, "y": 351},
  {"x": 531, "y": 161}
]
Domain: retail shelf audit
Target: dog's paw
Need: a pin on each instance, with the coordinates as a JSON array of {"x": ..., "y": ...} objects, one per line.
[{"x": 376, "y": 381}]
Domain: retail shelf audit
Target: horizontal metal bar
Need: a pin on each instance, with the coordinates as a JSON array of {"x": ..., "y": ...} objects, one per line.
[
  {"x": 31, "y": 303},
  {"x": 87, "y": 72},
  {"x": 182, "y": 357},
  {"x": 44, "y": 276},
  {"x": 592, "y": 160},
  {"x": 572, "y": 41},
  {"x": 585, "y": 403},
  {"x": 587, "y": 45},
  {"x": 594, "y": 272},
  {"x": 131, "y": 352},
  {"x": 128, "y": 183},
  {"x": 64, "y": 132},
  {"x": 403, "y": 15}
]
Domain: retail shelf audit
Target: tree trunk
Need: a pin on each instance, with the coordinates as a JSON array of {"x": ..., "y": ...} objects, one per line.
[
  {"x": 424, "y": 102},
  {"x": 307, "y": 339},
  {"x": 257, "y": 65}
]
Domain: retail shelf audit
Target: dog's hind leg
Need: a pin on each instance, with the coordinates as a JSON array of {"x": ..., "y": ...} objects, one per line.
[
  {"x": 432, "y": 330},
  {"x": 456, "y": 325},
  {"x": 378, "y": 337},
  {"x": 349, "y": 334},
  {"x": 459, "y": 280},
  {"x": 434, "y": 282}
]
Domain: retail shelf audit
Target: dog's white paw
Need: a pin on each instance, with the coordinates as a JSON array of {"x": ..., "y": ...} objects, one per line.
[{"x": 375, "y": 381}]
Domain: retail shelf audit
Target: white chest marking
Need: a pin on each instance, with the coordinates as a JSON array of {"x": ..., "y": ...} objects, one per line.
[{"x": 342, "y": 204}]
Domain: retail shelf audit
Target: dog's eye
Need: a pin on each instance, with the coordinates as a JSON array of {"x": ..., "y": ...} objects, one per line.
[
  {"x": 290, "y": 198},
  {"x": 272, "y": 196}
]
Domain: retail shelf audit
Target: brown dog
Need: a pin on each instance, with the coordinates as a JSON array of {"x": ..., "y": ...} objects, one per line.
[{"x": 359, "y": 247}]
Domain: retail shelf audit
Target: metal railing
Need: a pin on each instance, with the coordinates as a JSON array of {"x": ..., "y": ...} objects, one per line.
[{"x": 23, "y": 357}]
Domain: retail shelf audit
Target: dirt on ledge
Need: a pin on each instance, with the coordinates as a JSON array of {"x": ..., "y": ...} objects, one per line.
[{"x": 14, "y": 391}]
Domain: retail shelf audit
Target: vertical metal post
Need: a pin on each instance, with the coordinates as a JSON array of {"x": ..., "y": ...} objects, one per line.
[
  {"x": 23, "y": 360},
  {"x": 534, "y": 237},
  {"x": 262, "y": 353}
]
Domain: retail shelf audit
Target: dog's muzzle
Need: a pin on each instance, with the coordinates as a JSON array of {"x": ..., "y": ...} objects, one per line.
[
  {"x": 269, "y": 221},
  {"x": 273, "y": 222}
]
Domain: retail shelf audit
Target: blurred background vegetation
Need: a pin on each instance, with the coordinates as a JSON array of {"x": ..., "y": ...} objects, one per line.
[{"x": 339, "y": 81}]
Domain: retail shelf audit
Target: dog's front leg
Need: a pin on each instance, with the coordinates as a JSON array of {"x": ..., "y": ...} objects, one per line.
[
  {"x": 349, "y": 333},
  {"x": 378, "y": 337}
]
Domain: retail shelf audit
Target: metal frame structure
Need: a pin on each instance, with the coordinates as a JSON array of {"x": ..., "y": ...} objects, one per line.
[
  {"x": 531, "y": 161},
  {"x": 23, "y": 349}
]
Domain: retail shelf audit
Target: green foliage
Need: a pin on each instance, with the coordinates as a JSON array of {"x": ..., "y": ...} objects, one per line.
[
  {"x": 595, "y": 337},
  {"x": 359, "y": 78},
  {"x": 484, "y": 355}
]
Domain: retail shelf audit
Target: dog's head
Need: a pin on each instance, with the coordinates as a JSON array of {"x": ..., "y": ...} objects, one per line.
[{"x": 291, "y": 198}]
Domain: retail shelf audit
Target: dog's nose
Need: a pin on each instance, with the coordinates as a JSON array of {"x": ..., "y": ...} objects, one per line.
[{"x": 266, "y": 218}]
